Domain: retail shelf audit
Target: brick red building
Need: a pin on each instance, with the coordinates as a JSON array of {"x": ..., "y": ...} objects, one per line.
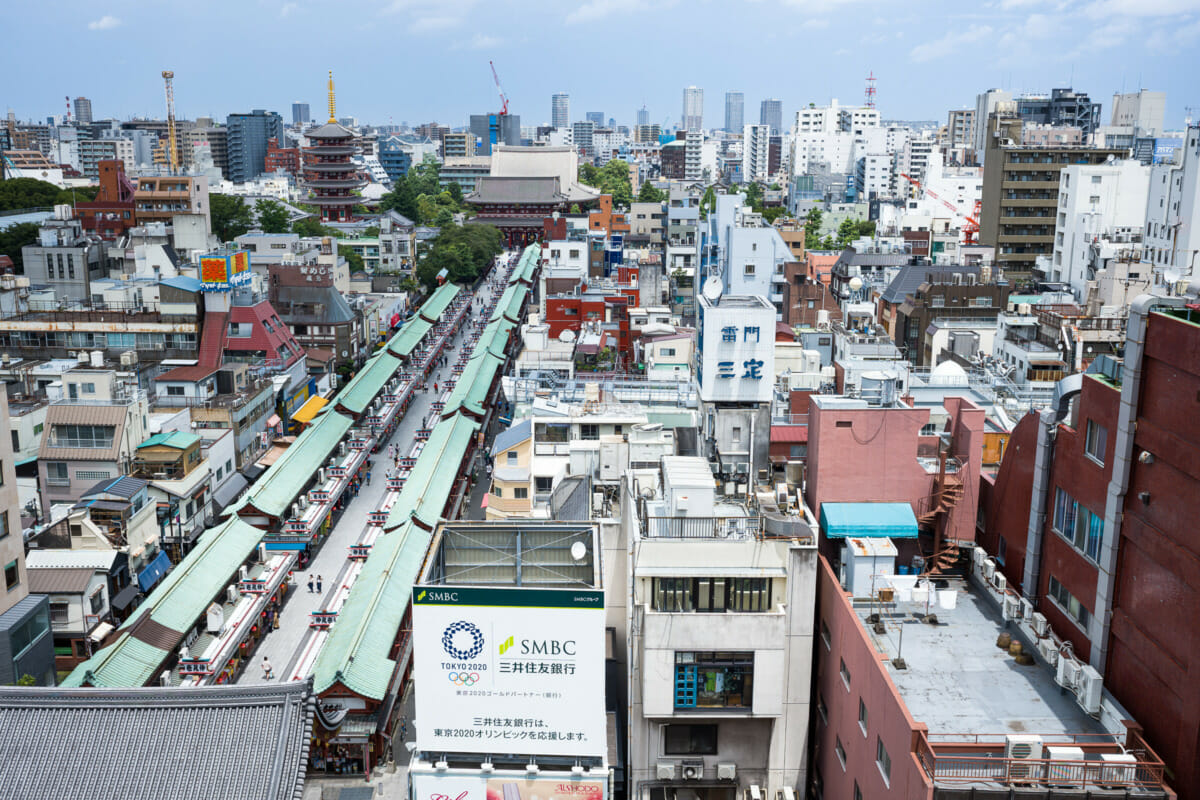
[
  {"x": 113, "y": 211},
  {"x": 281, "y": 159},
  {"x": 1109, "y": 553}
]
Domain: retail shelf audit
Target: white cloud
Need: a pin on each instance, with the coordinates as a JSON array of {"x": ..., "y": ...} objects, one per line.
[
  {"x": 426, "y": 24},
  {"x": 105, "y": 23},
  {"x": 599, "y": 9},
  {"x": 1008, "y": 5},
  {"x": 481, "y": 42},
  {"x": 1103, "y": 9},
  {"x": 949, "y": 44},
  {"x": 287, "y": 8}
]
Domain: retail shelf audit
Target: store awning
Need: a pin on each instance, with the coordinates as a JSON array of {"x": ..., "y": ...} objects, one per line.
[
  {"x": 102, "y": 630},
  {"x": 868, "y": 520},
  {"x": 152, "y": 572},
  {"x": 309, "y": 410},
  {"x": 273, "y": 421},
  {"x": 229, "y": 490},
  {"x": 123, "y": 598}
]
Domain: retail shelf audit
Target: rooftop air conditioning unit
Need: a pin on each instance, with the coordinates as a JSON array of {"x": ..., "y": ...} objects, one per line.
[
  {"x": 1088, "y": 689},
  {"x": 1049, "y": 651},
  {"x": 1012, "y": 607},
  {"x": 1002, "y": 584},
  {"x": 302, "y": 501},
  {"x": 1119, "y": 770},
  {"x": 1020, "y": 748},
  {"x": 980, "y": 555},
  {"x": 989, "y": 568},
  {"x": 321, "y": 476},
  {"x": 262, "y": 553},
  {"x": 341, "y": 448},
  {"x": 692, "y": 770},
  {"x": 165, "y": 678},
  {"x": 243, "y": 572},
  {"x": 1060, "y": 771},
  {"x": 1026, "y": 608},
  {"x": 1068, "y": 673},
  {"x": 666, "y": 770},
  {"x": 231, "y": 594},
  {"x": 726, "y": 772},
  {"x": 1040, "y": 626}
]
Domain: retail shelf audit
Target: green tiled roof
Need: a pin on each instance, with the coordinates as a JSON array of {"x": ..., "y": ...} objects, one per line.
[
  {"x": 179, "y": 600},
  {"x": 505, "y": 299},
  {"x": 275, "y": 490},
  {"x": 408, "y": 337},
  {"x": 527, "y": 265},
  {"x": 430, "y": 480},
  {"x": 439, "y": 301},
  {"x": 356, "y": 654},
  {"x": 176, "y": 439},
  {"x": 369, "y": 382},
  {"x": 471, "y": 390}
]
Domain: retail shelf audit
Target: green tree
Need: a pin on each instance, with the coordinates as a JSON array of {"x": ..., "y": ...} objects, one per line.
[
  {"x": 708, "y": 202},
  {"x": 773, "y": 213},
  {"x": 272, "y": 216},
  {"x": 754, "y": 196},
  {"x": 14, "y": 237},
  {"x": 864, "y": 227},
  {"x": 231, "y": 217},
  {"x": 27, "y": 680},
  {"x": 462, "y": 250},
  {"x": 311, "y": 226},
  {"x": 812, "y": 229},
  {"x": 612, "y": 179},
  {"x": 846, "y": 232},
  {"x": 649, "y": 194},
  {"x": 372, "y": 232},
  {"x": 352, "y": 258},
  {"x": 455, "y": 190},
  {"x": 18, "y": 193},
  {"x": 77, "y": 194}
]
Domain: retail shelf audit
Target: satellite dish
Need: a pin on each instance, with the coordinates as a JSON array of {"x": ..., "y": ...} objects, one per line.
[
  {"x": 855, "y": 283},
  {"x": 579, "y": 551},
  {"x": 712, "y": 289}
]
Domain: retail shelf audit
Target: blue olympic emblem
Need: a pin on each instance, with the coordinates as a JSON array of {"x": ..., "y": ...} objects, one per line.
[{"x": 453, "y": 640}]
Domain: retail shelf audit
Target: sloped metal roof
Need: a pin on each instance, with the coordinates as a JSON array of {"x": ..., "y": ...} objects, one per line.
[{"x": 275, "y": 490}]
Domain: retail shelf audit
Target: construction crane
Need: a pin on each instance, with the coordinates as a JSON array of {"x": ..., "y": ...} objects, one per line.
[
  {"x": 172, "y": 150},
  {"x": 971, "y": 229},
  {"x": 503, "y": 97}
]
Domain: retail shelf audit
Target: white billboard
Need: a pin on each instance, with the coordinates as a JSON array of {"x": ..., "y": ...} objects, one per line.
[
  {"x": 509, "y": 670},
  {"x": 502, "y": 786}
]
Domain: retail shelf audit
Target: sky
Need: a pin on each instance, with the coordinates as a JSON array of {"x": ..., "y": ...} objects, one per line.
[{"x": 422, "y": 60}]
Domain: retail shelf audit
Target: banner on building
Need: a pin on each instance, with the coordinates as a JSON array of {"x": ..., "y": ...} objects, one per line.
[
  {"x": 501, "y": 787},
  {"x": 509, "y": 670}
]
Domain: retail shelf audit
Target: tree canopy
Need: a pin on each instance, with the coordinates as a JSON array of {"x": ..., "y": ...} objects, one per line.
[
  {"x": 14, "y": 237},
  {"x": 19, "y": 193},
  {"x": 231, "y": 216},
  {"x": 812, "y": 229},
  {"x": 272, "y": 216},
  {"x": 464, "y": 251},
  {"x": 353, "y": 259},
  {"x": 649, "y": 194},
  {"x": 420, "y": 197},
  {"x": 311, "y": 226},
  {"x": 612, "y": 178}
]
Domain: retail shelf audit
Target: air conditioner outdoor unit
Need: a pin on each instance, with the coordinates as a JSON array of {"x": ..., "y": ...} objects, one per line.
[
  {"x": 989, "y": 568},
  {"x": 243, "y": 572},
  {"x": 262, "y": 553},
  {"x": 1023, "y": 748},
  {"x": 1040, "y": 626},
  {"x": 1049, "y": 651},
  {"x": 165, "y": 678},
  {"x": 1011, "y": 607},
  {"x": 1026, "y": 608},
  {"x": 1119, "y": 770},
  {"x": 726, "y": 772},
  {"x": 1001, "y": 583},
  {"x": 231, "y": 594},
  {"x": 1060, "y": 772},
  {"x": 1088, "y": 689},
  {"x": 666, "y": 770},
  {"x": 980, "y": 556},
  {"x": 1067, "y": 673},
  {"x": 692, "y": 770}
]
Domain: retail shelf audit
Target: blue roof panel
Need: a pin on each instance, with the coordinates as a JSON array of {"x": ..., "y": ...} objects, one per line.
[{"x": 868, "y": 520}]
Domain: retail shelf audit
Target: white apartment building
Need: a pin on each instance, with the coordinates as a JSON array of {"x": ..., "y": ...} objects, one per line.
[
  {"x": 1094, "y": 201},
  {"x": 985, "y": 104},
  {"x": 912, "y": 159},
  {"x": 1141, "y": 111},
  {"x": 755, "y": 152},
  {"x": 1172, "y": 238},
  {"x": 873, "y": 175}
]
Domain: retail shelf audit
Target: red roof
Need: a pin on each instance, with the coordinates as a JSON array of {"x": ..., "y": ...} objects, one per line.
[{"x": 792, "y": 434}]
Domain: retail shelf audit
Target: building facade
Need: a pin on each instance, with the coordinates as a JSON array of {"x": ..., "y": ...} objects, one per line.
[
  {"x": 247, "y": 139},
  {"x": 735, "y": 106}
]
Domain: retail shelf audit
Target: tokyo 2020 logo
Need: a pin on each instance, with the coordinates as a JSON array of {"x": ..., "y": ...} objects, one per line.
[{"x": 462, "y": 640}]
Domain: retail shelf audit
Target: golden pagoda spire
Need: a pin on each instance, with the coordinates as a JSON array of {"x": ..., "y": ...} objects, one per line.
[{"x": 332, "y": 102}]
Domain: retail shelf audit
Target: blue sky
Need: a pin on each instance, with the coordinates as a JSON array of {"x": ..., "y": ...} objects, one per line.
[{"x": 419, "y": 60}]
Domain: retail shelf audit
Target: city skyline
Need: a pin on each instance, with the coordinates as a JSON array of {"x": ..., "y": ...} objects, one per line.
[{"x": 920, "y": 67}]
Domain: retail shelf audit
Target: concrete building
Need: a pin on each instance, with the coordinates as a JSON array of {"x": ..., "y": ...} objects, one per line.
[
  {"x": 770, "y": 112},
  {"x": 247, "y": 139},
  {"x": 720, "y": 641},
  {"x": 691, "y": 118},
  {"x": 300, "y": 114},
  {"x": 1089, "y": 516},
  {"x": 683, "y": 250},
  {"x": 1062, "y": 107},
  {"x": 490, "y": 130},
  {"x": 165, "y": 198},
  {"x": 873, "y": 176},
  {"x": 1095, "y": 200},
  {"x": 65, "y": 258},
  {"x": 985, "y": 105},
  {"x": 458, "y": 145},
  {"x": 83, "y": 111},
  {"x": 756, "y": 152},
  {"x": 560, "y": 110},
  {"x": 1172, "y": 236},
  {"x": 960, "y": 128},
  {"x": 1143, "y": 111},
  {"x": 1020, "y": 194},
  {"x": 583, "y": 138},
  {"x": 735, "y": 106}
]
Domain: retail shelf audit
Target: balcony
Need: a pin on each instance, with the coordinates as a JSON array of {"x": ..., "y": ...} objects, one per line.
[{"x": 701, "y": 527}]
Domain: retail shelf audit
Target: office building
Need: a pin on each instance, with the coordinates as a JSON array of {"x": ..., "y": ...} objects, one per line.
[
  {"x": 1020, "y": 193},
  {"x": 582, "y": 135},
  {"x": 83, "y": 111},
  {"x": 246, "y": 142},
  {"x": 458, "y": 145},
  {"x": 735, "y": 104},
  {"x": 300, "y": 114},
  {"x": 1062, "y": 107},
  {"x": 770, "y": 112},
  {"x": 643, "y": 116},
  {"x": 985, "y": 106},
  {"x": 596, "y": 118},
  {"x": 960, "y": 128},
  {"x": 756, "y": 152},
  {"x": 692, "y": 118},
  {"x": 1141, "y": 111},
  {"x": 494, "y": 129},
  {"x": 560, "y": 110},
  {"x": 1172, "y": 235}
]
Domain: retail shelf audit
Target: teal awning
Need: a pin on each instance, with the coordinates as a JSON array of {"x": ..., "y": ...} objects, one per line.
[{"x": 868, "y": 520}]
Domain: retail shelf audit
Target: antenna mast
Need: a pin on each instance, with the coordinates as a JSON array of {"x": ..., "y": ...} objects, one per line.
[
  {"x": 172, "y": 148},
  {"x": 871, "y": 90}
]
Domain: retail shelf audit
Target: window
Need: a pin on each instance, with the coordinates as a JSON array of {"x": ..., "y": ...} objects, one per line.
[
  {"x": 28, "y": 632},
  {"x": 512, "y": 457},
  {"x": 56, "y": 473},
  {"x": 589, "y": 432},
  {"x": 862, "y": 716},
  {"x": 825, "y": 637},
  {"x": 714, "y": 680},
  {"x": 1096, "y": 441},
  {"x": 711, "y": 595},
  {"x": 543, "y": 483},
  {"x": 1078, "y": 525},
  {"x": 174, "y": 391},
  {"x": 60, "y": 611},
  {"x": 1069, "y": 603},
  {"x": 845, "y": 673},
  {"x": 97, "y": 600},
  {"x": 690, "y": 740},
  {"x": 937, "y": 301},
  {"x": 1094, "y": 199},
  {"x": 883, "y": 760},
  {"x": 83, "y": 436},
  {"x": 857, "y": 792},
  {"x": 1002, "y": 551},
  {"x": 666, "y": 351},
  {"x": 498, "y": 491},
  {"x": 1096, "y": 179},
  {"x": 16, "y": 445},
  {"x": 841, "y": 752},
  {"x": 12, "y": 575},
  {"x": 228, "y": 466},
  {"x": 822, "y": 709},
  {"x": 737, "y": 434},
  {"x": 92, "y": 475},
  {"x": 521, "y": 493},
  {"x": 37, "y": 429}
]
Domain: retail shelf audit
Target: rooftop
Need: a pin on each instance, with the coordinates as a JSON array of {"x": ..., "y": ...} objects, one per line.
[{"x": 525, "y": 553}]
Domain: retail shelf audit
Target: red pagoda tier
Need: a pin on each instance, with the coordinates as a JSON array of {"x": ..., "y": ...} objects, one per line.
[{"x": 329, "y": 174}]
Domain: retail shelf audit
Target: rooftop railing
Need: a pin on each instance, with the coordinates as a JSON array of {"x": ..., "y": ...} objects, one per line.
[{"x": 701, "y": 527}]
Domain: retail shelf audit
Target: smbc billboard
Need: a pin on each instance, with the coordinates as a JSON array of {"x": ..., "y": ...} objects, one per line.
[{"x": 506, "y": 670}]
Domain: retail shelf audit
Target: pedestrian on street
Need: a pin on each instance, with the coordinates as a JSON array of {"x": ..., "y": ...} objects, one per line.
[
  {"x": 310, "y": 584},
  {"x": 368, "y": 477},
  {"x": 268, "y": 673},
  {"x": 318, "y": 584},
  {"x": 435, "y": 387}
]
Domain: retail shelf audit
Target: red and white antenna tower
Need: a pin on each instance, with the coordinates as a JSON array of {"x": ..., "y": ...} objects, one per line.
[
  {"x": 68, "y": 109},
  {"x": 871, "y": 90}
]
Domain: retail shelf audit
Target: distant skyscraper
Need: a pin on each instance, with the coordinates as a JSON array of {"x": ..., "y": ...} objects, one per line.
[
  {"x": 693, "y": 109},
  {"x": 247, "y": 142},
  {"x": 735, "y": 104},
  {"x": 560, "y": 110},
  {"x": 493, "y": 129},
  {"x": 643, "y": 116},
  {"x": 83, "y": 111},
  {"x": 596, "y": 118},
  {"x": 300, "y": 113},
  {"x": 770, "y": 112}
]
